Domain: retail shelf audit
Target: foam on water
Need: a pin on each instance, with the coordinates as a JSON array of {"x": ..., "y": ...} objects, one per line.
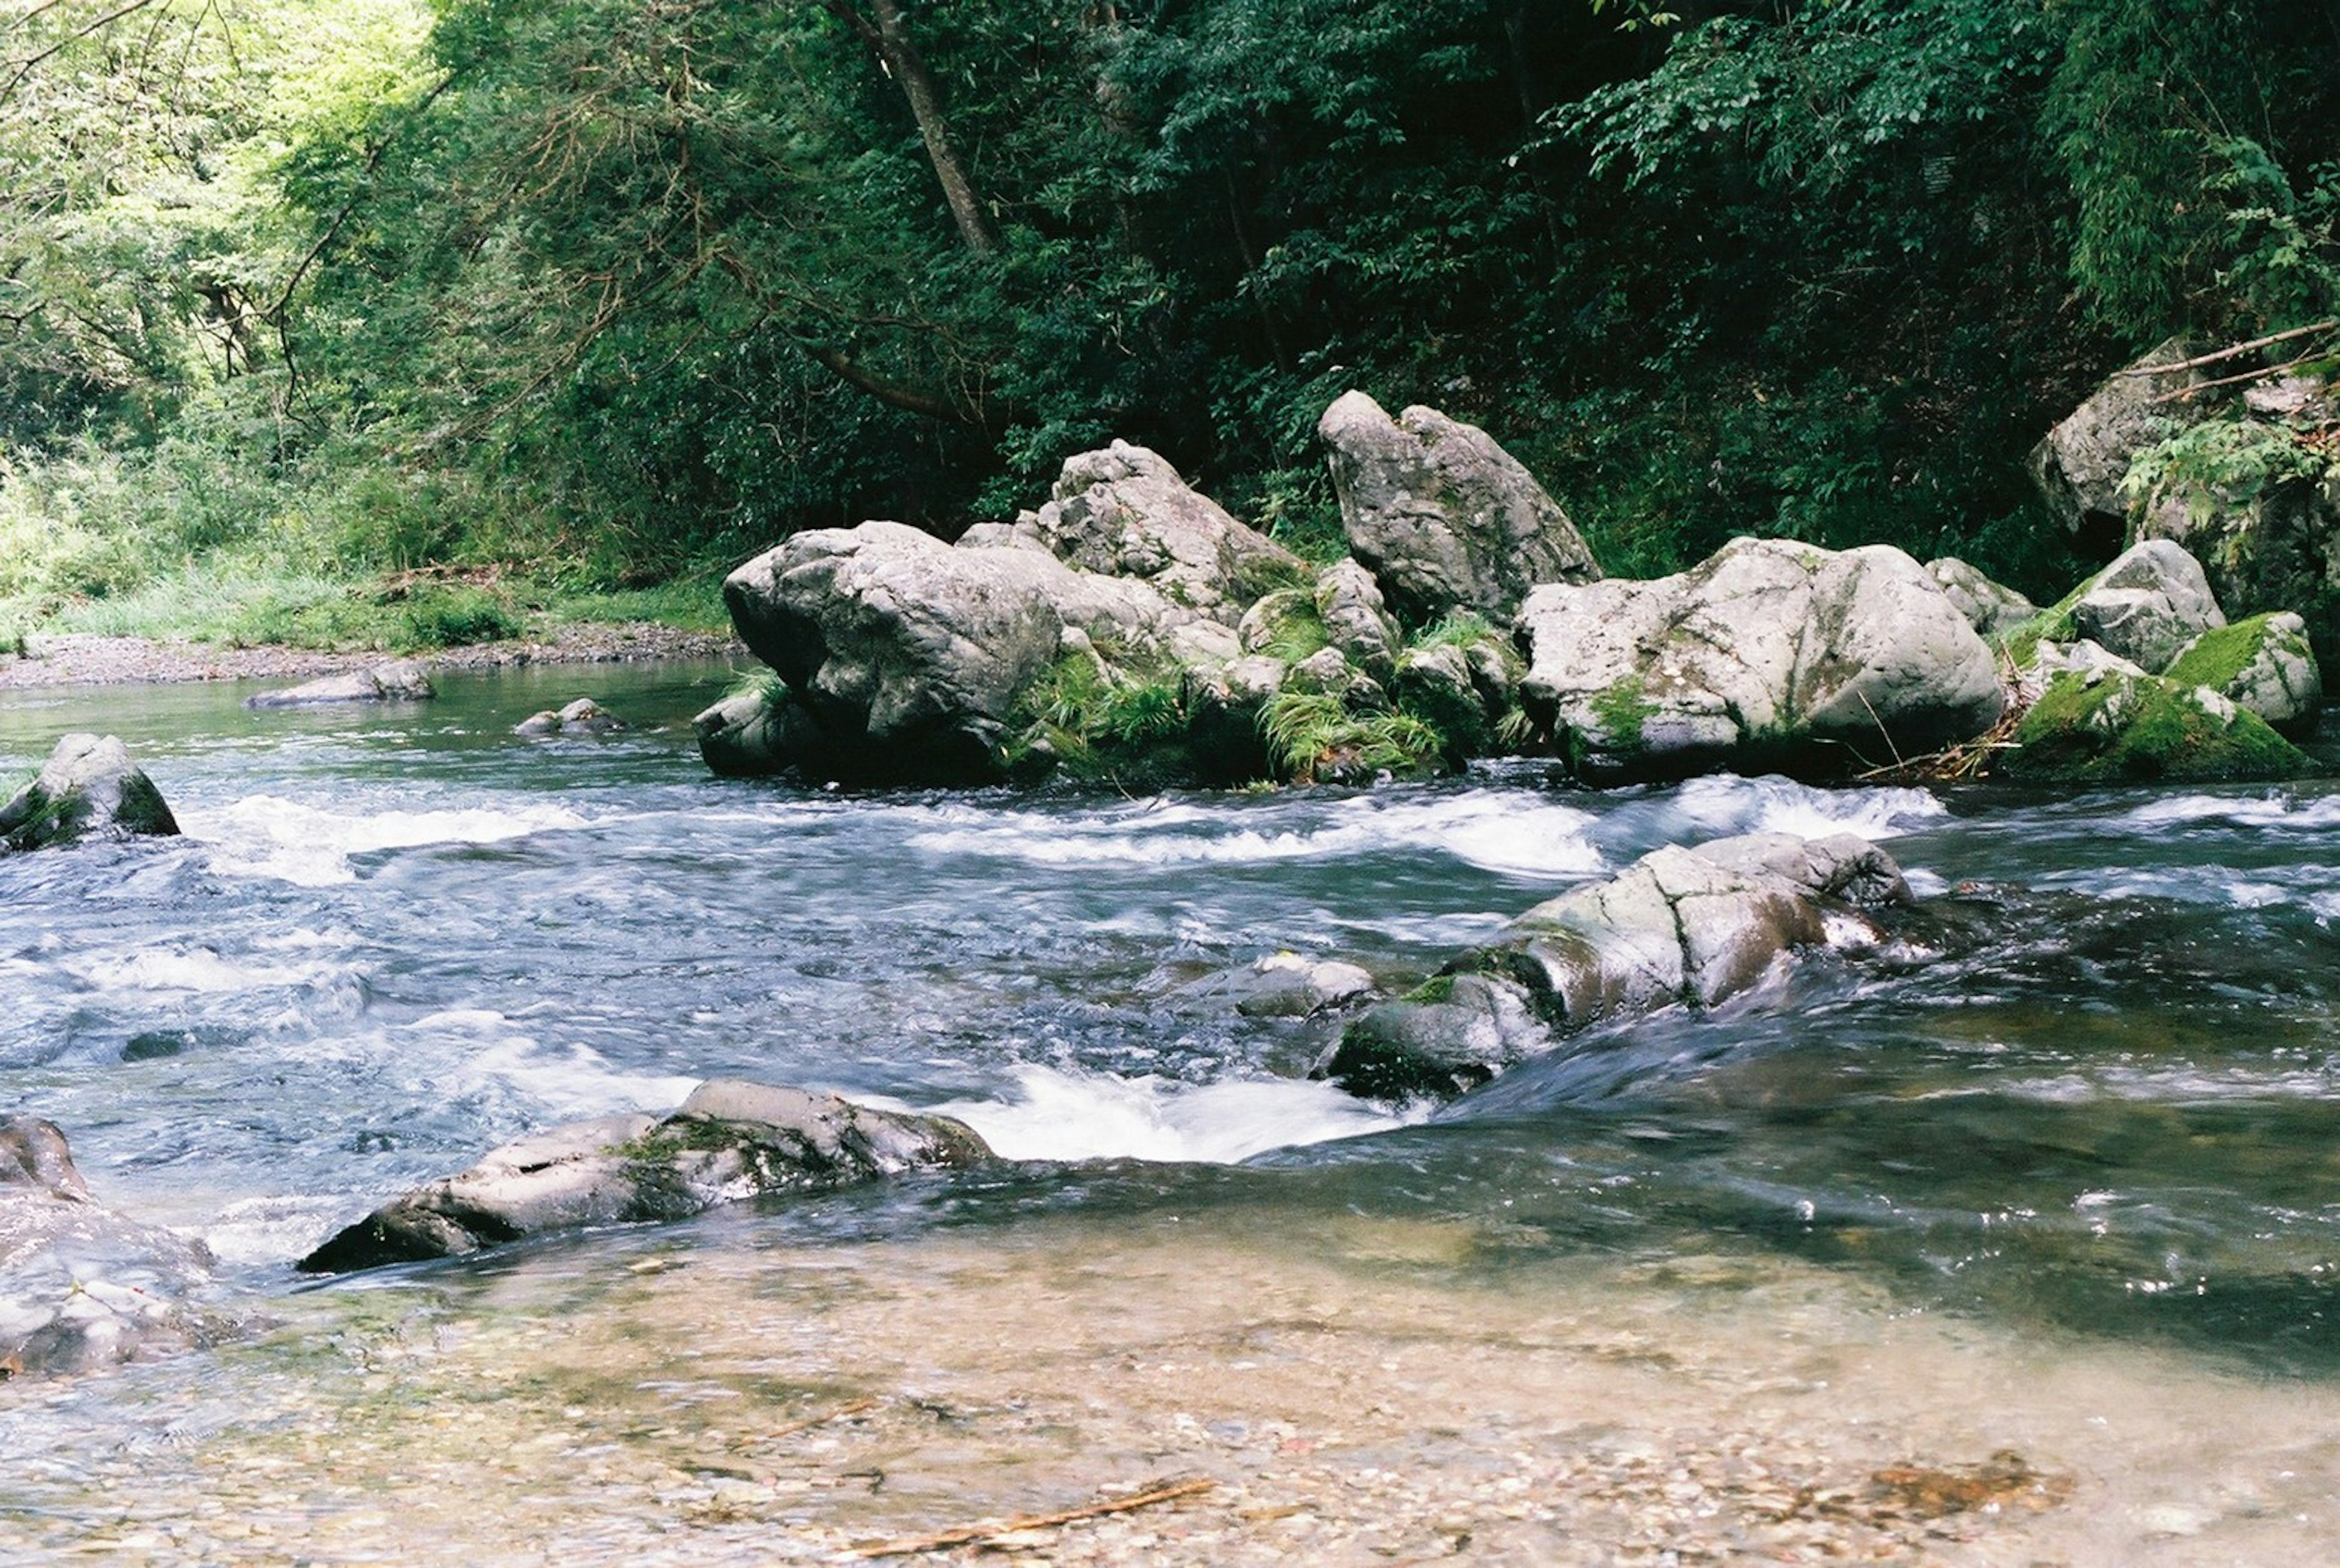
[
  {"x": 194, "y": 968},
  {"x": 311, "y": 846},
  {"x": 1727, "y": 804},
  {"x": 1497, "y": 830},
  {"x": 2276, "y": 809},
  {"x": 1073, "y": 1116},
  {"x": 564, "y": 1081}
]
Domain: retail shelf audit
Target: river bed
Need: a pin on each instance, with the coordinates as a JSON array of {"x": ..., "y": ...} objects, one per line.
[{"x": 2017, "y": 1249}]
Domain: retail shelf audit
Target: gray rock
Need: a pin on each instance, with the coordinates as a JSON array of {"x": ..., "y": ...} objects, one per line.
[
  {"x": 82, "y": 1287},
  {"x": 731, "y": 1141},
  {"x": 400, "y": 681},
  {"x": 88, "y": 790},
  {"x": 1355, "y": 619},
  {"x": 1288, "y": 985},
  {"x": 582, "y": 717},
  {"x": 1991, "y": 607},
  {"x": 1767, "y": 655},
  {"x": 1443, "y": 517},
  {"x": 2267, "y": 547},
  {"x": 1439, "y": 683},
  {"x": 1124, "y": 511},
  {"x": 2148, "y": 604},
  {"x": 906, "y": 656},
  {"x": 1286, "y": 619},
  {"x": 2080, "y": 464},
  {"x": 2264, "y": 665},
  {"x": 2049, "y": 659},
  {"x": 1679, "y": 927}
]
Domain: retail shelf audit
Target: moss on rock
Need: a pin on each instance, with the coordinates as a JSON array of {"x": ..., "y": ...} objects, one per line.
[{"x": 2108, "y": 727}]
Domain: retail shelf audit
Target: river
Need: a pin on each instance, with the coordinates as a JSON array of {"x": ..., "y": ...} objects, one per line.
[{"x": 1781, "y": 1279}]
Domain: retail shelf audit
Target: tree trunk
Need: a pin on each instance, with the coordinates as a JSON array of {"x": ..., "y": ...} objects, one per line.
[{"x": 889, "y": 36}]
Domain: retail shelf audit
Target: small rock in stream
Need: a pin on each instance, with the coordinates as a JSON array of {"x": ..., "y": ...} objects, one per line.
[
  {"x": 400, "y": 681},
  {"x": 89, "y": 789}
]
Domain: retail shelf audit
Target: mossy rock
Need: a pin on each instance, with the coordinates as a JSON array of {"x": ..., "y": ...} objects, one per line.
[
  {"x": 2263, "y": 664},
  {"x": 2110, "y": 727}
]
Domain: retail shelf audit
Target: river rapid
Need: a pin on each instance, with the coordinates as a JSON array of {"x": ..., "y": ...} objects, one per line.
[{"x": 2046, "y": 1209}]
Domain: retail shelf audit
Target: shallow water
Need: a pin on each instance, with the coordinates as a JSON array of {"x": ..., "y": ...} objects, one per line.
[{"x": 2077, "y": 1133}]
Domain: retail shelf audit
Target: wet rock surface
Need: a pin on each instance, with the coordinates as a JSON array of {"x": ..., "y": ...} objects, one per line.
[
  {"x": 398, "y": 680},
  {"x": 82, "y": 1287},
  {"x": 89, "y": 789},
  {"x": 582, "y": 717},
  {"x": 729, "y": 1142}
]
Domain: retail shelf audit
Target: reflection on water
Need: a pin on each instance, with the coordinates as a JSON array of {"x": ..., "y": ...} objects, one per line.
[{"x": 2074, "y": 1135}]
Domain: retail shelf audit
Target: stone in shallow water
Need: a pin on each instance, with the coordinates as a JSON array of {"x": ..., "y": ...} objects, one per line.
[
  {"x": 89, "y": 788},
  {"x": 400, "y": 681},
  {"x": 731, "y": 1141}
]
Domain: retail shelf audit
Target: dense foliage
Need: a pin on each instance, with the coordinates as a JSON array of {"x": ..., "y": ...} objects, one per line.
[{"x": 626, "y": 286}]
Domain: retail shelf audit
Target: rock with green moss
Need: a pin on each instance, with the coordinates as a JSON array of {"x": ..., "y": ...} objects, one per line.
[
  {"x": 1124, "y": 511},
  {"x": 1356, "y": 620},
  {"x": 2263, "y": 665},
  {"x": 1437, "y": 684},
  {"x": 89, "y": 789},
  {"x": 1769, "y": 655},
  {"x": 1680, "y": 926},
  {"x": 2111, "y": 726},
  {"x": 1283, "y": 625},
  {"x": 1443, "y": 517},
  {"x": 731, "y": 1141},
  {"x": 2148, "y": 604}
]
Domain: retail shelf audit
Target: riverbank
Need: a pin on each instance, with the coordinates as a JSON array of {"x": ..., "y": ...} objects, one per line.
[{"x": 87, "y": 660}]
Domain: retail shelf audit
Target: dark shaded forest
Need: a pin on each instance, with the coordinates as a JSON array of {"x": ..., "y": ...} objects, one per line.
[{"x": 618, "y": 290}]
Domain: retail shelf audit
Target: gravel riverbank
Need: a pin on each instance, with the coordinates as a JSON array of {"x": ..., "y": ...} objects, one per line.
[{"x": 89, "y": 660}]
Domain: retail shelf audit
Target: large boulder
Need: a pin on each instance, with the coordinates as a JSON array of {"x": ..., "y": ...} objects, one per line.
[
  {"x": 399, "y": 681},
  {"x": 1443, "y": 517},
  {"x": 1124, "y": 511},
  {"x": 729, "y": 1142},
  {"x": 2110, "y": 725},
  {"x": 2151, "y": 601},
  {"x": 1679, "y": 926},
  {"x": 1767, "y": 655},
  {"x": 81, "y": 1286},
  {"x": 2080, "y": 465},
  {"x": 2264, "y": 665},
  {"x": 88, "y": 790},
  {"x": 904, "y": 656}
]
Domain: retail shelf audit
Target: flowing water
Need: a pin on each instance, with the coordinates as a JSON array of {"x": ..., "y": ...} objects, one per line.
[{"x": 2056, "y": 1175}]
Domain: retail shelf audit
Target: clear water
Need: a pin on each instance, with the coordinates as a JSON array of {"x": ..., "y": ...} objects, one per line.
[{"x": 2092, "y": 1097}]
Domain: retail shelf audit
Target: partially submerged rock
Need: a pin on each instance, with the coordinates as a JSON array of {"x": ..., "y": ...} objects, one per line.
[
  {"x": 399, "y": 681},
  {"x": 2114, "y": 726},
  {"x": 1693, "y": 927},
  {"x": 582, "y": 717},
  {"x": 81, "y": 1286},
  {"x": 904, "y": 657},
  {"x": 1443, "y": 517},
  {"x": 729, "y": 1142},
  {"x": 88, "y": 790},
  {"x": 1288, "y": 985},
  {"x": 2148, "y": 604},
  {"x": 1768, "y": 655},
  {"x": 1124, "y": 511}
]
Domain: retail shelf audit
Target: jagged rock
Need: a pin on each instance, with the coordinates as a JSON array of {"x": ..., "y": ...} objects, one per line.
[
  {"x": 1288, "y": 985},
  {"x": 904, "y": 656},
  {"x": 2079, "y": 465},
  {"x": 1355, "y": 619},
  {"x": 2148, "y": 604},
  {"x": 731, "y": 1141},
  {"x": 1124, "y": 511},
  {"x": 2111, "y": 726},
  {"x": 88, "y": 790},
  {"x": 582, "y": 717},
  {"x": 1691, "y": 927},
  {"x": 1437, "y": 683},
  {"x": 1767, "y": 655},
  {"x": 1443, "y": 517},
  {"x": 81, "y": 1286},
  {"x": 400, "y": 681},
  {"x": 1991, "y": 607},
  {"x": 2264, "y": 665}
]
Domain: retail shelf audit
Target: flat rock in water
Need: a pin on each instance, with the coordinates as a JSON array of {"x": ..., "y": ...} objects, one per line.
[
  {"x": 88, "y": 790},
  {"x": 1693, "y": 927},
  {"x": 400, "y": 681},
  {"x": 1769, "y": 655},
  {"x": 81, "y": 1286},
  {"x": 731, "y": 1141},
  {"x": 582, "y": 717}
]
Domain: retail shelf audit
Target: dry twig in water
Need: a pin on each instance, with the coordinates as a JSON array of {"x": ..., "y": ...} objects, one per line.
[{"x": 975, "y": 1532}]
